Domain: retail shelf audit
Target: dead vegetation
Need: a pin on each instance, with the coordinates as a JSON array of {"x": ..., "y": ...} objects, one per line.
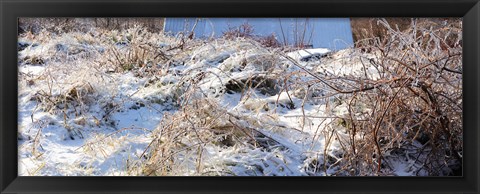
[
  {"x": 409, "y": 103},
  {"x": 403, "y": 103},
  {"x": 181, "y": 140},
  {"x": 247, "y": 31},
  {"x": 65, "y": 25}
]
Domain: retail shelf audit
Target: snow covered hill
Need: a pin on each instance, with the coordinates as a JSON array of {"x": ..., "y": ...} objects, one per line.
[{"x": 134, "y": 103}]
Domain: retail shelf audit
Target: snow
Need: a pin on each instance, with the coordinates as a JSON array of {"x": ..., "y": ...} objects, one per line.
[
  {"x": 305, "y": 54},
  {"x": 112, "y": 127}
]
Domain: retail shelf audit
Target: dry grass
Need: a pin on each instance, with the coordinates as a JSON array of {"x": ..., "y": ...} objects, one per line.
[
  {"x": 403, "y": 101},
  {"x": 410, "y": 103},
  {"x": 65, "y": 25}
]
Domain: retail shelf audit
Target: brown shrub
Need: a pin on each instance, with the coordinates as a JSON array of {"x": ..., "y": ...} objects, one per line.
[
  {"x": 370, "y": 28},
  {"x": 410, "y": 105},
  {"x": 64, "y": 25}
]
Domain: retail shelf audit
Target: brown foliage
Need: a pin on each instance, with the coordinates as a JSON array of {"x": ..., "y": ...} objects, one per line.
[
  {"x": 370, "y": 28},
  {"x": 63, "y": 25},
  {"x": 410, "y": 103}
]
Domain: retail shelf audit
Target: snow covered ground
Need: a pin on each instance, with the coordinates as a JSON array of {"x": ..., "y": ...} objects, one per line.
[{"x": 79, "y": 116}]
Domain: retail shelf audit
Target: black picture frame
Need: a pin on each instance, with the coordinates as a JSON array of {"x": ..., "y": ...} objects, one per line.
[{"x": 10, "y": 10}]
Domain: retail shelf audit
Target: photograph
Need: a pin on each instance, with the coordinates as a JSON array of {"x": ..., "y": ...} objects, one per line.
[{"x": 231, "y": 96}]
